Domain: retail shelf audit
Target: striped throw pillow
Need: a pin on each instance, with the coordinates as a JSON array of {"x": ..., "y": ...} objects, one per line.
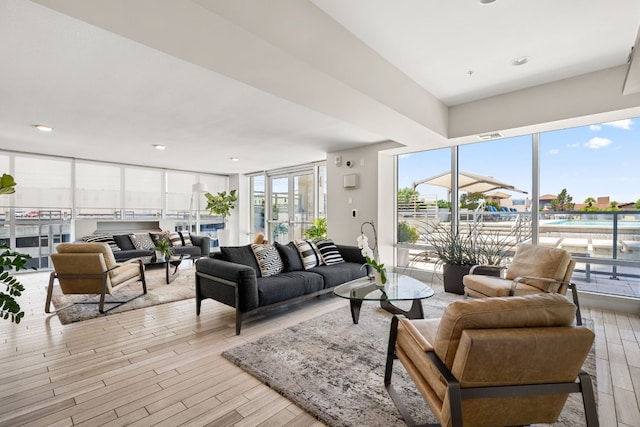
[
  {"x": 268, "y": 259},
  {"x": 106, "y": 238},
  {"x": 175, "y": 239},
  {"x": 186, "y": 238},
  {"x": 308, "y": 253},
  {"x": 329, "y": 252}
]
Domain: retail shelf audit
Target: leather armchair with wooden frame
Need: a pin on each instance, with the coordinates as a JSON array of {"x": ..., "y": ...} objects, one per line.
[
  {"x": 501, "y": 361},
  {"x": 90, "y": 268}
]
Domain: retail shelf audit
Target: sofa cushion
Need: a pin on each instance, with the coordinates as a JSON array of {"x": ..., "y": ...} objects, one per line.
[
  {"x": 340, "y": 273},
  {"x": 285, "y": 286},
  {"x": 290, "y": 257},
  {"x": 99, "y": 238},
  {"x": 124, "y": 242},
  {"x": 329, "y": 252},
  {"x": 308, "y": 253},
  {"x": 268, "y": 259},
  {"x": 186, "y": 238},
  {"x": 175, "y": 238},
  {"x": 142, "y": 241},
  {"x": 194, "y": 251},
  {"x": 241, "y": 255}
]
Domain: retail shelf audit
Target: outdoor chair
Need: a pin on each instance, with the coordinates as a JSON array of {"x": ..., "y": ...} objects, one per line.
[
  {"x": 90, "y": 268},
  {"x": 534, "y": 269},
  {"x": 494, "y": 361}
]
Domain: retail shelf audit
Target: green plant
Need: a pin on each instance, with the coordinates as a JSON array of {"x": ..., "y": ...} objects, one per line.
[
  {"x": 7, "y": 184},
  {"x": 470, "y": 248},
  {"x": 407, "y": 233},
  {"x": 163, "y": 246},
  {"x": 9, "y": 307},
  {"x": 222, "y": 203},
  {"x": 564, "y": 202},
  {"x": 318, "y": 230}
]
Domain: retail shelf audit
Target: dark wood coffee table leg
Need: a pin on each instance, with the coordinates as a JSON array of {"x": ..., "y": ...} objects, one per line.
[
  {"x": 171, "y": 277},
  {"x": 415, "y": 312},
  {"x": 355, "y": 309}
]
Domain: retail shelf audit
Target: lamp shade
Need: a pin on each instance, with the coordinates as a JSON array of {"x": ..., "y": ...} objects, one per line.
[{"x": 199, "y": 187}]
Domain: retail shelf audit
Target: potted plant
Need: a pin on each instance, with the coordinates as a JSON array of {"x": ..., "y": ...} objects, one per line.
[
  {"x": 407, "y": 233},
  {"x": 9, "y": 307},
  {"x": 163, "y": 249},
  {"x": 459, "y": 251},
  {"x": 221, "y": 204},
  {"x": 318, "y": 230}
]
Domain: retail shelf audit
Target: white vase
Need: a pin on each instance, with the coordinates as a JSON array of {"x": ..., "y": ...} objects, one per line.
[
  {"x": 159, "y": 256},
  {"x": 377, "y": 277}
]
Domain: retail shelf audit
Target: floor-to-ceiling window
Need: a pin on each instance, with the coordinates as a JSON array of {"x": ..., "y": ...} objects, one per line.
[
  {"x": 583, "y": 180},
  {"x": 589, "y": 200},
  {"x": 55, "y": 196}
]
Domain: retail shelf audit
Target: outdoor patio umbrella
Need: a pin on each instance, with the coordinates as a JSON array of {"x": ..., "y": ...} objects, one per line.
[{"x": 470, "y": 182}]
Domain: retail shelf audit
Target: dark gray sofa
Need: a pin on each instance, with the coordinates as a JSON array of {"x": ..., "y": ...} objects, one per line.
[
  {"x": 232, "y": 277},
  {"x": 126, "y": 250}
]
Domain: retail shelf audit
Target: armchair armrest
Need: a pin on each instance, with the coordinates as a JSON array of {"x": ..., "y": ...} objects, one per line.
[
  {"x": 420, "y": 340},
  {"x": 486, "y": 267}
]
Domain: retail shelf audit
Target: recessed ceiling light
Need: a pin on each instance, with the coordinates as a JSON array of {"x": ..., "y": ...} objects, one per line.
[
  {"x": 487, "y": 1},
  {"x": 234, "y": 159},
  {"x": 159, "y": 146},
  {"x": 520, "y": 60},
  {"x": 44, "y": 128}
]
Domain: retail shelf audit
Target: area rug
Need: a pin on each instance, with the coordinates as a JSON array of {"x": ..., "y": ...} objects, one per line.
[
  {"x": 158, "y": 292},
  {"x": 335, "y": 370}
]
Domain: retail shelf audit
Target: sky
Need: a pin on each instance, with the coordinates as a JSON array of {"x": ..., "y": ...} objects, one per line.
[{"x": 589, "y": 161}]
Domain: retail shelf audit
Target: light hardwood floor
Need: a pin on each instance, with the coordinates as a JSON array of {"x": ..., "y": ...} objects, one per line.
[{"x": 163, "y": 366}]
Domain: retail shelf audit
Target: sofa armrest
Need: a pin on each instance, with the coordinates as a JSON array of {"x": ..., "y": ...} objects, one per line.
[
  {"x": 203, "y": 242},
  {"x": 351, "y": 254},
  {"x": 215, "y": 272}
]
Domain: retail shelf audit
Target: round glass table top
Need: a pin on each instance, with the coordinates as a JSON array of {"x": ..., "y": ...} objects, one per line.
[{"x": 399, "y": 287}]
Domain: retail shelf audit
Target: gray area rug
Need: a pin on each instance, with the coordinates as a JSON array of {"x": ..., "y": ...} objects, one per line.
[
  {"x": 335, "y": 370},
  {"x": 158, "y": 292}
]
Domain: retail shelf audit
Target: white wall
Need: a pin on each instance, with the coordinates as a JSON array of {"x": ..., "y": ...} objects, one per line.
[{"x": 373, "y": 198}]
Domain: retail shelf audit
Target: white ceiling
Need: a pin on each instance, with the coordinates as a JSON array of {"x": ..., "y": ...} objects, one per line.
[{"x": 280, "y": 82}]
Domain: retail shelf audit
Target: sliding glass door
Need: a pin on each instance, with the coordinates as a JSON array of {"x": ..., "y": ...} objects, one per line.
[{"x": 291, "y": 205}]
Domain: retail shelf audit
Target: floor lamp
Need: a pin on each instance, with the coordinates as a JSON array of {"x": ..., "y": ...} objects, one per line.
[{"x": 196, "y": 190}]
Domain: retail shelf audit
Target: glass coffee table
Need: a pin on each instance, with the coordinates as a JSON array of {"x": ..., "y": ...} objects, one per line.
[
  {"x": 398, "y": 288},
  {"x": 173, "y": 260}
]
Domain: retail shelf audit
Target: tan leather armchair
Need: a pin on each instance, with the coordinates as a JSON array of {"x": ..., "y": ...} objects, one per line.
[
  {"x": 90, "y": 268},
  {"x": 495, "y": 361},
  {"x": 534, "y": 269}
]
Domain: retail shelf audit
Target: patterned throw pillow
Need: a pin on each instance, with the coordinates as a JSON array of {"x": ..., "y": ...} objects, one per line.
[
  {"x": 308, "y": 253},
  {"x": 186, "y": 238},
  {"x": 142, "y": 241},
  {"x": 106, "y": 238},
  {"x": 329, "y": 252},
  {"x": 268, "y": 259},
  {"x": 175, "y": 239}
]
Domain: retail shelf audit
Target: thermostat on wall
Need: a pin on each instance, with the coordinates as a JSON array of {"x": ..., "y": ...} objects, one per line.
[{"x": 351, "y": 180}]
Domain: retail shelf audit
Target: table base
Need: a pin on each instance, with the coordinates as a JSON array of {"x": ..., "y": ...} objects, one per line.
[{"x": 415, "y": 312}]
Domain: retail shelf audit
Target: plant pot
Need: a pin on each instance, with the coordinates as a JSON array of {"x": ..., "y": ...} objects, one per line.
[
  {"x": 452, "y": 278},
  {"x": 159, "y": 256}
]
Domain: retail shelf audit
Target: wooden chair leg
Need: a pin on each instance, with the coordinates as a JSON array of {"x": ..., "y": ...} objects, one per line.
[{"x": 47, "y": 304}]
